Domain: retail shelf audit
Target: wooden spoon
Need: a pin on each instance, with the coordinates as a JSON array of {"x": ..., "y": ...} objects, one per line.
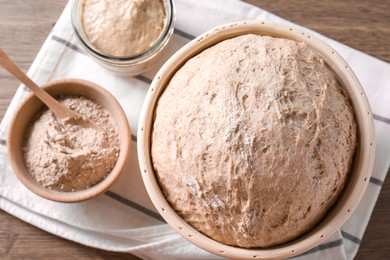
[{"x": 60, "y": 111}]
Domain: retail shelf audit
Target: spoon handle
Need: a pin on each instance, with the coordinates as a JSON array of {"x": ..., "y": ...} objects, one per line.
[{"x": 61, "y": 112}]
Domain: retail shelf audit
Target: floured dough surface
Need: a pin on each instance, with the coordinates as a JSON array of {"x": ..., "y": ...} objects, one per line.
[{"x": 252, "y": 140}]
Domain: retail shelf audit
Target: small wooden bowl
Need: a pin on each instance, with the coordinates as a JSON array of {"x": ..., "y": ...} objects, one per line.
[
  {"x": 26, "y": 113},
  {"x": 358, "y": 177}
]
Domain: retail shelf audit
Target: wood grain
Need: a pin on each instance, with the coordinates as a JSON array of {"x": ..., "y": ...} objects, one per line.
[{"x": 24, "y": 25}]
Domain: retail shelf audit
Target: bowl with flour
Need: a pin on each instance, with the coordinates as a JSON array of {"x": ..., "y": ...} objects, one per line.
[
  {"x": 66, "y": 162},
  {"x": 256, "y": 140},
  {"x": 128, "y": 37}
]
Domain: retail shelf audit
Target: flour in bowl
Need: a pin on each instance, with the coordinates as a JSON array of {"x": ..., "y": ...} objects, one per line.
[{"x": 67, "y": 157}]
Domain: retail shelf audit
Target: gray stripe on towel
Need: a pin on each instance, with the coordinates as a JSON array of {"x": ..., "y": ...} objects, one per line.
[
  {"x": 376, "y": 181},
  {"x": 184, "y": 34},
  {"x": 144, "y": 79},
  {"x": 25, "y": 88},
  {"x": 134, "y": 205},
  {"x": 382, "y": 119},
  {"x": 350, "y": 237},
  {"x": 3, "y": 142},
  {"x": 322, "y": 247},
  {"x": 68, "y": 44}
]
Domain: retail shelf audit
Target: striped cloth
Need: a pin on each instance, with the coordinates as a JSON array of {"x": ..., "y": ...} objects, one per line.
[{"x": 124, "y": 219}]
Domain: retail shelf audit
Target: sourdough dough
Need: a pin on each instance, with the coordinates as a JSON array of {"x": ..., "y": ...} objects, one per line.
[{"x": 252, "y": 140}]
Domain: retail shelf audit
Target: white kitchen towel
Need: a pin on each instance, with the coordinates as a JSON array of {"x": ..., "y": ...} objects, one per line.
[{"x": 123, "y": 219}]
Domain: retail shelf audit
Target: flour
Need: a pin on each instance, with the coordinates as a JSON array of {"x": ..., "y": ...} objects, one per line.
[{"x": 66, "y": 157}]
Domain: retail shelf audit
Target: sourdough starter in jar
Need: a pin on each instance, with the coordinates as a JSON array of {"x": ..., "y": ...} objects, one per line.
[{"x": 123, "y": 28}]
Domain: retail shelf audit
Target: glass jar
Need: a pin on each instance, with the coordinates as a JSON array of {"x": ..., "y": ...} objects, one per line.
[{"x": 130, "y": 65}]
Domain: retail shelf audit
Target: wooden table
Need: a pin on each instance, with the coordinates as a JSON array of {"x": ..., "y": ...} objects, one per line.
[{"x": 24, "y": 25}]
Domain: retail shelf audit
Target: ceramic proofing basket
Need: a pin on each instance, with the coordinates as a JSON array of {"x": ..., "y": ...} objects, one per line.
[{"x": 360, "y": 170}]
